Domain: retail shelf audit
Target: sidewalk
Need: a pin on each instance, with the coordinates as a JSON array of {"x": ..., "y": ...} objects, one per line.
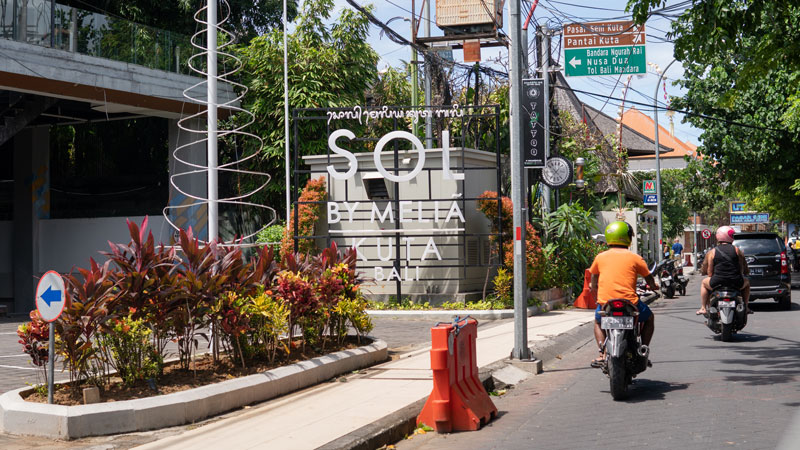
[{"x": 319, "y": 415}]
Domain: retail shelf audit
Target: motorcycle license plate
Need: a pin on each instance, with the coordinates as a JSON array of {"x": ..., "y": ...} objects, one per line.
[
  {"x": 724, "y": 304},
  {"x": 758, "y": 271},
  {"x": 616, "y": 323}
]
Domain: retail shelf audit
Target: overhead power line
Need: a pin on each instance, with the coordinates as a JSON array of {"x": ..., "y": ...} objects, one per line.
[{"x": 688, "y": 113}]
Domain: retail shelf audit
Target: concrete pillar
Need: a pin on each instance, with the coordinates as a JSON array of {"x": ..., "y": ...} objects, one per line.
[
  {"x": 195, "y": 216},
  {"x": 31, "y": 204}
]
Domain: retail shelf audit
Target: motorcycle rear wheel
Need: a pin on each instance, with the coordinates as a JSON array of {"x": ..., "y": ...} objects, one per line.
[
  {"x": 682, "y": 290},
  {"x": 727, "y": 332},
  {"x": 670, "y": 292},
  {"x": 618, "y": 379}
]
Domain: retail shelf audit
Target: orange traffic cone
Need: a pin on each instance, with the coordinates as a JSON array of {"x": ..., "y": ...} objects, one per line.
[{"x": 587, "y": 299}]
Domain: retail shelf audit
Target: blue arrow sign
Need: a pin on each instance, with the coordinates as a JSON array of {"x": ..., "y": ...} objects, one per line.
[{"x": 50, "y": 296}]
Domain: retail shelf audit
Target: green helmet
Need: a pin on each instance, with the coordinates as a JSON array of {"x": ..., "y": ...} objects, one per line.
[{"x": 619, "y": 233}]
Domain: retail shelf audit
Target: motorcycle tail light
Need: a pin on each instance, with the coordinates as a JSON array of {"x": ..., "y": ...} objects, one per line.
[
  {"x": 616, "y": 313},
  {"x": 617, "y": 304},
  {"x": 784, "y": 264}
]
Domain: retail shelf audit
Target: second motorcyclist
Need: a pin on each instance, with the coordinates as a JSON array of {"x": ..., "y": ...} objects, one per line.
[{"x": 726, "y": 267}]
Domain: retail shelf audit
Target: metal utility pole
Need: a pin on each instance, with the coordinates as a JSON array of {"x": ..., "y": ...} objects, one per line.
[
  {"x": 658, "y": 167},
  {"x": 414, "y": 81},
  {"x": 546, "y": 76},
  {"x": 286, "y": 111},
  {"x": 521, "y": 350},
  {"x": 428, "y": 73},
  {"x": 211, "y": 63}
]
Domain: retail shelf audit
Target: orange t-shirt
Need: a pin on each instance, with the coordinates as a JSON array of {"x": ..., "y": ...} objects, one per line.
[{"x": 617, "y": 269}]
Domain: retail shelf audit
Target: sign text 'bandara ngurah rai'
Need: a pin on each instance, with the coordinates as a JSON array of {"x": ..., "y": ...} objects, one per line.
[{"x": 447, "y": 216}]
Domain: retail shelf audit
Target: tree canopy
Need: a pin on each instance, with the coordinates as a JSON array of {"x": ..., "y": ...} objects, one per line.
[
  {"x": 742, "y": 61},
  {"x": 329, "y": 66},
  {"x": 248, "y": 18}
]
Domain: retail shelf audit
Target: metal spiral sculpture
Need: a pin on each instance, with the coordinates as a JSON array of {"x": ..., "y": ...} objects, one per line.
[{"x": 211, "y": 134}]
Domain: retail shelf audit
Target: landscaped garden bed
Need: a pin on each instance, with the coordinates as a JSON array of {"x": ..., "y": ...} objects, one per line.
[
  {"x": 202, "y": 371},
  {"x": 120, "y": 316}
]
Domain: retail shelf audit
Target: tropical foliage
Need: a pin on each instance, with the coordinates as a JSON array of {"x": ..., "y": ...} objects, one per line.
[
  {"x": 120, "y": 315},
  {"x": 742, "y": 80}
]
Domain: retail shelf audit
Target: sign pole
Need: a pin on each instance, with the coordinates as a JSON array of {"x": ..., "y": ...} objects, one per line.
[
  {"x": 211, "y": 62},
  {"x": 521, "y": 350},
  {"x": 50, "y": 302},
  {"x": 51, "y": 350}
]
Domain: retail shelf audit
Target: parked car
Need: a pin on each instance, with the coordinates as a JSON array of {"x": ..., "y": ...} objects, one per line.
[{"x": 768, "y": 263}]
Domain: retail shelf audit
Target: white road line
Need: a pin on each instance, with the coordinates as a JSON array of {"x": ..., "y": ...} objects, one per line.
[
  {"x": 17, "y": 367},
  {"x": 13, "y": 356}
]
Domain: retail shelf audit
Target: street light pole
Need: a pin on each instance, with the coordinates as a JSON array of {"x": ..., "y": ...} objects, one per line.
[{"x": 658, "y": 167}]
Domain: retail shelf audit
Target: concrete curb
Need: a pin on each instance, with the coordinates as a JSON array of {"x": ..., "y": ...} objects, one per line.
[
  {"x": 449, "y": 315},
  {"x": 395, "y": 426},
  {"x": 70, "y": 422}
]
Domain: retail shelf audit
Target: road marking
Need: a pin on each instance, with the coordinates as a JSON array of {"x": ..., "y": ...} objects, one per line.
[
  {"x": 21, "y": 368},
  {"x": 13, "y": 356}
]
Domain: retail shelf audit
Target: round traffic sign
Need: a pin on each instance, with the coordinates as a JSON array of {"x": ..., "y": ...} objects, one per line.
[
  {"x": 50, "y": 296},
  {"x": 706, "y": 233}
]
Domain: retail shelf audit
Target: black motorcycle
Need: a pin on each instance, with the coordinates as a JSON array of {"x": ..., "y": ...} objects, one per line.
[
  {"x": 625, "y": 355},
  {"x": 726, "y": 313},
  {"x": 665, "y": 270}
]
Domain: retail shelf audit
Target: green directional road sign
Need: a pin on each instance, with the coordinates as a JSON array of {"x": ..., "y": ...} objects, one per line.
[
  {"x": 581, "y": 62},
  {"x": 604, "y": 48}
]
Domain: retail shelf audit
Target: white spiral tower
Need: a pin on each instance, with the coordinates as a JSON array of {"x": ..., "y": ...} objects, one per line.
[{"x": 213, "y": 52}]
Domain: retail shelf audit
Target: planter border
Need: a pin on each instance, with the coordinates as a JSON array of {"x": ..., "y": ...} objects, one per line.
[
  {"x": 18, "y": 416},
  {"x": 548, "y": 304}
]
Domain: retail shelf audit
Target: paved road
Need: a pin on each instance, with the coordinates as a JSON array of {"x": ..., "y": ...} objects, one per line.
[
  {"x": 16, "y": 371},
  {"x": 700, "y": 394}
]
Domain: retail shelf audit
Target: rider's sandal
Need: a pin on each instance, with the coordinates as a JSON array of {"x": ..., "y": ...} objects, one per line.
[{"x": 598, "y": 362}]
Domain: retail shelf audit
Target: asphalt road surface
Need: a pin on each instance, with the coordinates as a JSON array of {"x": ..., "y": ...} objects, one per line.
[{"x": 701, "y": 393}]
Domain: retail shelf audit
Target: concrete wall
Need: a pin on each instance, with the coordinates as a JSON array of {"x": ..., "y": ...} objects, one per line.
[
  {"x": 454, "y": 247},
  {"x": 66, "y": 243},
  {"x": 71, "y": 242}
]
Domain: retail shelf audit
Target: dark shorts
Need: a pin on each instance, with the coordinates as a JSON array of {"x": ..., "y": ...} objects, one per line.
[
  {"x": 732, "y": 283},
  {"x": 644, "y": 312}
]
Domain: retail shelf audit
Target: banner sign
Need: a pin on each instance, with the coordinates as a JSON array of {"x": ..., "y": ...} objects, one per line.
[
  {"x": 533, "y": 104},
  {"x": 748, "y": 218},
  {"x": 650, "y": 199},
  {"x": 649, "y": 187}
]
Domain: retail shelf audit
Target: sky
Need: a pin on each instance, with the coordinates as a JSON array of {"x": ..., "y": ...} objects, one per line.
[{"x": 555, "y": 13}]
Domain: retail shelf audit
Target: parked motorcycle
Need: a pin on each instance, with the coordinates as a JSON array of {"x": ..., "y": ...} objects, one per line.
[
  {"x": 726, "y": 312},
  {"x": 665, "y": 270},
  {"x": 625, "y": 355},
  {"x": 679, "y": 278}
]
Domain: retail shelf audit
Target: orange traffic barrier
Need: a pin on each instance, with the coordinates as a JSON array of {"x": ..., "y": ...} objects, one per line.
[
  {"x": 688, "y": 260},
  {"x": 587, "y": 299},
  {"x": 458, "y": 401}
]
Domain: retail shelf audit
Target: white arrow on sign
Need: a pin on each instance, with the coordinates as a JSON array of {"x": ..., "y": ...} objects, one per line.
[{"x": 574, "y": 62}]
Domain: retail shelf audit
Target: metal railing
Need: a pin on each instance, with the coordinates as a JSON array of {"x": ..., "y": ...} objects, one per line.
[{"x": 49, "y": 24}]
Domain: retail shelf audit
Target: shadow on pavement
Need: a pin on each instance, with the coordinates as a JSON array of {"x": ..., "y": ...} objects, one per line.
[
  {"x": 644, "y": 390},
  {"x": 767, "y": 305}
]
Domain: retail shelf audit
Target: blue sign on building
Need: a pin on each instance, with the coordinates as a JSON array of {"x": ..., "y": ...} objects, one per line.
[
  {"x": 650, "y": 199},
  {"x": 749, "y": 218}
]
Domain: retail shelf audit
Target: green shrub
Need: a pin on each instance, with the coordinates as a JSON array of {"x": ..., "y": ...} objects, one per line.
[
  {"x": 504, "y": 287},
  {"x": 127, "y": 343}
]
